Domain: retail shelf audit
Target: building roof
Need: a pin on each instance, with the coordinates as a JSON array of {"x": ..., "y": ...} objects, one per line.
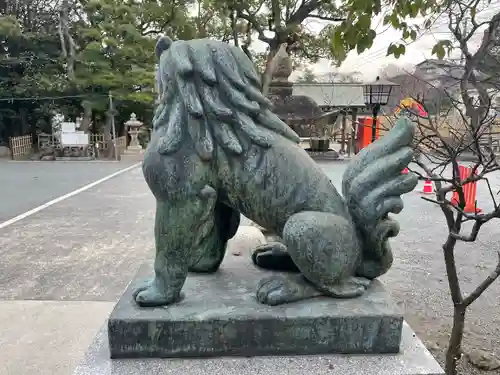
[
  {"x": 436, "y": 62},
  {"x": 332, "y": 94}
]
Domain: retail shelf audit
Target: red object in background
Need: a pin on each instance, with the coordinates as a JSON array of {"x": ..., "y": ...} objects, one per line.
[
  {"x": 411, "y": 106},
  {"x": 428, "y": 187},
  {"x": 469, "y": 192},
  {"x": 405, "y": 171},
  {"x": 364, "y": 136}
]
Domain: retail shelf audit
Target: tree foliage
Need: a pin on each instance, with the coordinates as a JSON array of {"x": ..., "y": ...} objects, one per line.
[
  {"x": 83, "y": 49},
  {"x": 77, "y": 51},
  {"x": 29, "y": 65},
  {"x": 357, "y": 31}
]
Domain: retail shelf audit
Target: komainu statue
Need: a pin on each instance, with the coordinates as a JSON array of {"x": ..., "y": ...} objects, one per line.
[{"x": 218, "y": 151}]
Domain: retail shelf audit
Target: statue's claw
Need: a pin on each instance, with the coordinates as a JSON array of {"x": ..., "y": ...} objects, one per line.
[
  {"x": 278, "y": 289},
  {"x": 360, "y": 281}
]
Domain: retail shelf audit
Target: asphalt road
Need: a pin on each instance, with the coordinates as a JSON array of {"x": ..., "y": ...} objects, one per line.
[{"x": 26, "y": 185}]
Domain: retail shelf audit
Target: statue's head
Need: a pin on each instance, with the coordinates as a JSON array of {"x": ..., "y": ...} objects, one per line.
[{"x": 210, "y": 91}]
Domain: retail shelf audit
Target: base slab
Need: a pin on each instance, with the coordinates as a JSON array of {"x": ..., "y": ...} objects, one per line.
[
  {"x": 414, "y": 359},
  {"x": 220, "y": 316}
]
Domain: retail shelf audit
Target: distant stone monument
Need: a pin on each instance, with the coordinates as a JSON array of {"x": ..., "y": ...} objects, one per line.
[
  {"x": 133, "y": 125},
  {"x": 299, "y": 112}
]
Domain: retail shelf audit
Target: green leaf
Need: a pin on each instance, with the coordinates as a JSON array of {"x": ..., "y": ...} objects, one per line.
[
  {"x": 395, "y": 20},
  {"x": 441, "y": 47},
  {"x": 397, "y": 50},
  {"x": 391, "y": 49},
  {"x": 439, "y": 51},
  {"x": 401, "y": 50},
  {"x": 364, "y": 22},
  {"x": 414, "y": 9}
]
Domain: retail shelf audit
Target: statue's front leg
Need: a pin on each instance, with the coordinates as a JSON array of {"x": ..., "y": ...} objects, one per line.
[
  {"x": 211, "y": 250},
  {"x": 181, "y": 225}
]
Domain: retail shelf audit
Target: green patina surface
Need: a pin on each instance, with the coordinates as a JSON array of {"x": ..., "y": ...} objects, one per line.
[{"x": 218, "y": 150}]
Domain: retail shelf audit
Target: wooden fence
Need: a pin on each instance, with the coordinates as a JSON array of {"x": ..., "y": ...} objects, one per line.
[
  {"x": 21, "y": 147},
  {"x": 98, "y": 139}
]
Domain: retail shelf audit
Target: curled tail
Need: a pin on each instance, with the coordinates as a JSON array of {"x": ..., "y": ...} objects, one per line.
[{"x": 372, "y": 186}]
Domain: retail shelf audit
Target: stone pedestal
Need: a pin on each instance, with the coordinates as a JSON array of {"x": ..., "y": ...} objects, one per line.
[
  {"x": 414, "y": 359},
  {"x": 219, "y": 319},
  {"x": 220, "y": 316}
]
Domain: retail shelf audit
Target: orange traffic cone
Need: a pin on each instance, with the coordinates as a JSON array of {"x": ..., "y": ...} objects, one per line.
[{"x": 428, "y": 187}]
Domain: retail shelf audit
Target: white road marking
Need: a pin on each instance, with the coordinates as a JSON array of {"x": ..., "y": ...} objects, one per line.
[{"x": 65, "y": 196}]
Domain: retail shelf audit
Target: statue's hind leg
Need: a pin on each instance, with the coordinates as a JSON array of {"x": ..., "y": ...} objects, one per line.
[
  {"x": 210, "y": 254},
  {"x": 181, "y": 227},
  {"x": 326, "y": 250}
]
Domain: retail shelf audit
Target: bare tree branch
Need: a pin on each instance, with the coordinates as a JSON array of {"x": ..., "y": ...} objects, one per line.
[
  {"x": 442, "y": 140},
  {"x": 483, "y": 286}
]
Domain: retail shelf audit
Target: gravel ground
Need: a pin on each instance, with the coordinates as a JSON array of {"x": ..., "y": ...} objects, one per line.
[{"x": 418, "y": 281}]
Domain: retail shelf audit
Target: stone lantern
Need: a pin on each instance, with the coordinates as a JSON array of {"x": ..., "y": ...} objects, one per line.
[{"x": 133, "y": 125}]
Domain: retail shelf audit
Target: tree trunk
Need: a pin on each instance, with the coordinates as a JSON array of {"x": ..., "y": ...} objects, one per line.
[
  {"x": 86, "y": 117},
  {"x": 23, "y": 119},
  {"x": 108, "y": 139},
  {"x": 68, "y": 46},
  {"x": 454, "y": 351},
  {"x": 273, "y": 59},
  {"x": 32, "y": 128}
]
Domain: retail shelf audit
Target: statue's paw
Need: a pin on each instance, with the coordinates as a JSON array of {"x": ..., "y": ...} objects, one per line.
[
  {"x": 152, "y": 294},
  {"x": 273, "y": 256},
  {"x": 276, "y": 290},
  {"x": 351, "y": 288}
]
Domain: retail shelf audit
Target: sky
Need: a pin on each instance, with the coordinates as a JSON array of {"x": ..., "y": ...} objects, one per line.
[{"x": 371, "y": 62}]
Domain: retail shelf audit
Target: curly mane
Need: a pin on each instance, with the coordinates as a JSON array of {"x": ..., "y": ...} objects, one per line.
[{"x": 209, "y": 91}]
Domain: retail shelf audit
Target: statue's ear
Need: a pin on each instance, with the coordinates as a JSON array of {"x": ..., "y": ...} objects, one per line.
[{"x": 162, "y": 45}]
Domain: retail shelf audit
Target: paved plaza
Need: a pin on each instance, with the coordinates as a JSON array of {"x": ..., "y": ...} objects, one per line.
[{"x": 64, "y": 267}]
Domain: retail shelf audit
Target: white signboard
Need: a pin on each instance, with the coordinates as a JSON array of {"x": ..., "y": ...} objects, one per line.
[
  {"x": 74, "y": 139},
  {"x": 68, "y": 127}
]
